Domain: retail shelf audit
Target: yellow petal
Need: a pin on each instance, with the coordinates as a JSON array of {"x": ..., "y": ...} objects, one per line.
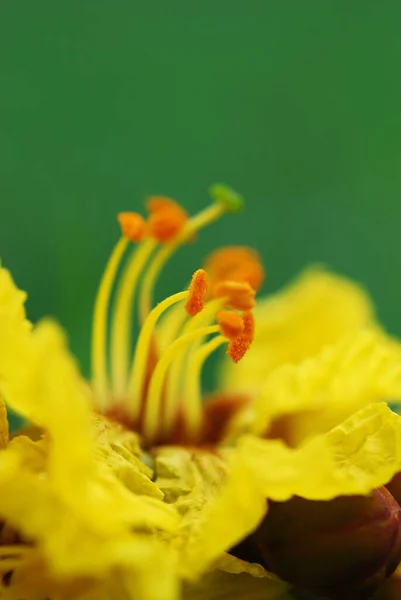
[
  {"x": 15, "y": 335},
  {"x": 120, "y": 449},
  {"x": 361, "y": 454},
  {"x": 318, "y": 393},
  {"x": 81, "y": 494},
  {"x": 317, "y": 310},
  {"x": 356, "y": 457},
  {"x": 188, "y": 479},
  {"x": 12, "y": 300},
  {"x": 71, "y": 544}
]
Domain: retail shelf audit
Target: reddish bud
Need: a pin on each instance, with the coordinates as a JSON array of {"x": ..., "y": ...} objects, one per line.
[{"x": 345, "y": 547}]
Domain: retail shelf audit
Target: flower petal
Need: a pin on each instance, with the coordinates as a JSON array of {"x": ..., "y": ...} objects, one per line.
[
  {"x": 80, "y": 493},
  {"x": 356, "y": 457},
  {"x": 319, "y": 393},
  {"x": 317, "y": 310}
]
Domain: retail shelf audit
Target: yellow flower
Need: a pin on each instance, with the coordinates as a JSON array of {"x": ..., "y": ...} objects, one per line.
[{"x": 126, "y": 487}]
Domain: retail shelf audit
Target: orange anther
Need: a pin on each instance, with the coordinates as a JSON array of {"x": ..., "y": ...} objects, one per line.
[
  {"x": 240, "y": 295},
  {"x": 235, "y": 263},
  {"x": 249, "y": 325},
  {"x": 132, "y": 225},
  {"x": 231, "y": 323},
  {"x": 166, "y": 218},
  {"x": 197, "y": 293},
  {"x": 238, "y": 347}
]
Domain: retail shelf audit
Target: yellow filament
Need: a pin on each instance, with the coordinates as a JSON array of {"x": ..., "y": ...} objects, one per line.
[
  {"x": 99, "y": 332},
  {"x": 205, "y": 217},
  {"x": 192, "y": 391},
  {"x": 205, "y": 317},
  {"x": 208, "y": 215},
  {"x": 150, "y": 278},
  {"x": 175, "y": 319},
  {"x": 170, "y": 326},
  {"x": 15, "y": 550},
  {"x": 154, "y": 396},
  {"x": 9, "y": 564},
  {"x": 122, "y": 316},
  {"x": 138, "y": 370}
]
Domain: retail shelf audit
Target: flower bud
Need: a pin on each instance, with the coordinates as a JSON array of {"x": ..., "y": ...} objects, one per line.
[
  {"x": 394, "y": 487},
  {"x": 345, "y": 547}
]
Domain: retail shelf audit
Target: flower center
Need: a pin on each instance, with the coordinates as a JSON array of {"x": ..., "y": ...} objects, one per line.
[{"x": 158, "y": 384}]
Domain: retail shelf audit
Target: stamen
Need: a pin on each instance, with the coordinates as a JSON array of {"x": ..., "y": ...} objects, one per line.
[
  {"x": 138, "y": 370},
  {"x": 234, "y": 263},
  {"x": 239, "y": 295},
  {"x": 184, "y": 357},
  {"x": 192, "y": 392},
  {"x": 10, "y": 564},
  {"x": 151, "y": 276},
  {"x": 154, "y": 396},
  {"x": 13, "y": 550},
  {"x": 223, "y": 202},
  {"x": 168, "y": 224},
  {"x": 170, "y": 326},
  {"x": 99, "y": 331},
  {"x": 166, "y": 218},
  {"x": 249, "y": 325},
  {"x": 132, "y": 225},
  {"x": 231, "y": 323},
  {"x": 239, "y": 346},
  {"x": 197, "y": 293},
  {"x": 122, "y": 317}
]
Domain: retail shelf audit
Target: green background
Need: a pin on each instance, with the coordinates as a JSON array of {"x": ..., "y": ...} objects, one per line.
[{"x": 295, "y": 103}]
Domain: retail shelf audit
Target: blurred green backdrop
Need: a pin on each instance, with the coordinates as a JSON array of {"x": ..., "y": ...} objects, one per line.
[{"x": 297, "y": 104}]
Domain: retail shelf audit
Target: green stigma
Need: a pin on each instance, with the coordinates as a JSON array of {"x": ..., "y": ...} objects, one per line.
[{"x": 228, "y": 198}]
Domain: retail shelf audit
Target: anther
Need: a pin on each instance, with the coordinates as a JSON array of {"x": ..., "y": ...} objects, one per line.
[
  {"x": 132, "y": 225},
  {"x": 249, "y": 324},
  {"x": 239, "y": 295},
  {"x": 197, "y": 293},
  {"x": 238, "y": 347},
  {"x": 166, "y": 218},
  {"x": 231, "y": 323},
  {"x": 235, "y": 263}
]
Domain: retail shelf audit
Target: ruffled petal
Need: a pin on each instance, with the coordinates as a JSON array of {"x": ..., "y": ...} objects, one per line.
[
  {"x": 192, "y": 480},
  {"x": 299, "y": 401},
  {"x": 356, "y": 457},
  {"x": 315, "y": 311}
]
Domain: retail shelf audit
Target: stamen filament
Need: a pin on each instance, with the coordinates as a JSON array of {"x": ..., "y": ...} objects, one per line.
[
  {"x": 9, "y": 564},
  {"x": 154, "y": 396},
  {"x": 14, "y": 550},
  {"x": 208, "y": 215},
  {"x": 205, "y": 217},
  {"x": 202, "y": 319},
  {"x": 138, "y": 370},
  {"x": 176, "y": 318},
  {"x": 122, "y": 316},
  {"x": 151, "y": 276},
  {"x": 99, "y": 332},
  {"x": 192, "y": 407},
  {"x": 170, "y": 326}
]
